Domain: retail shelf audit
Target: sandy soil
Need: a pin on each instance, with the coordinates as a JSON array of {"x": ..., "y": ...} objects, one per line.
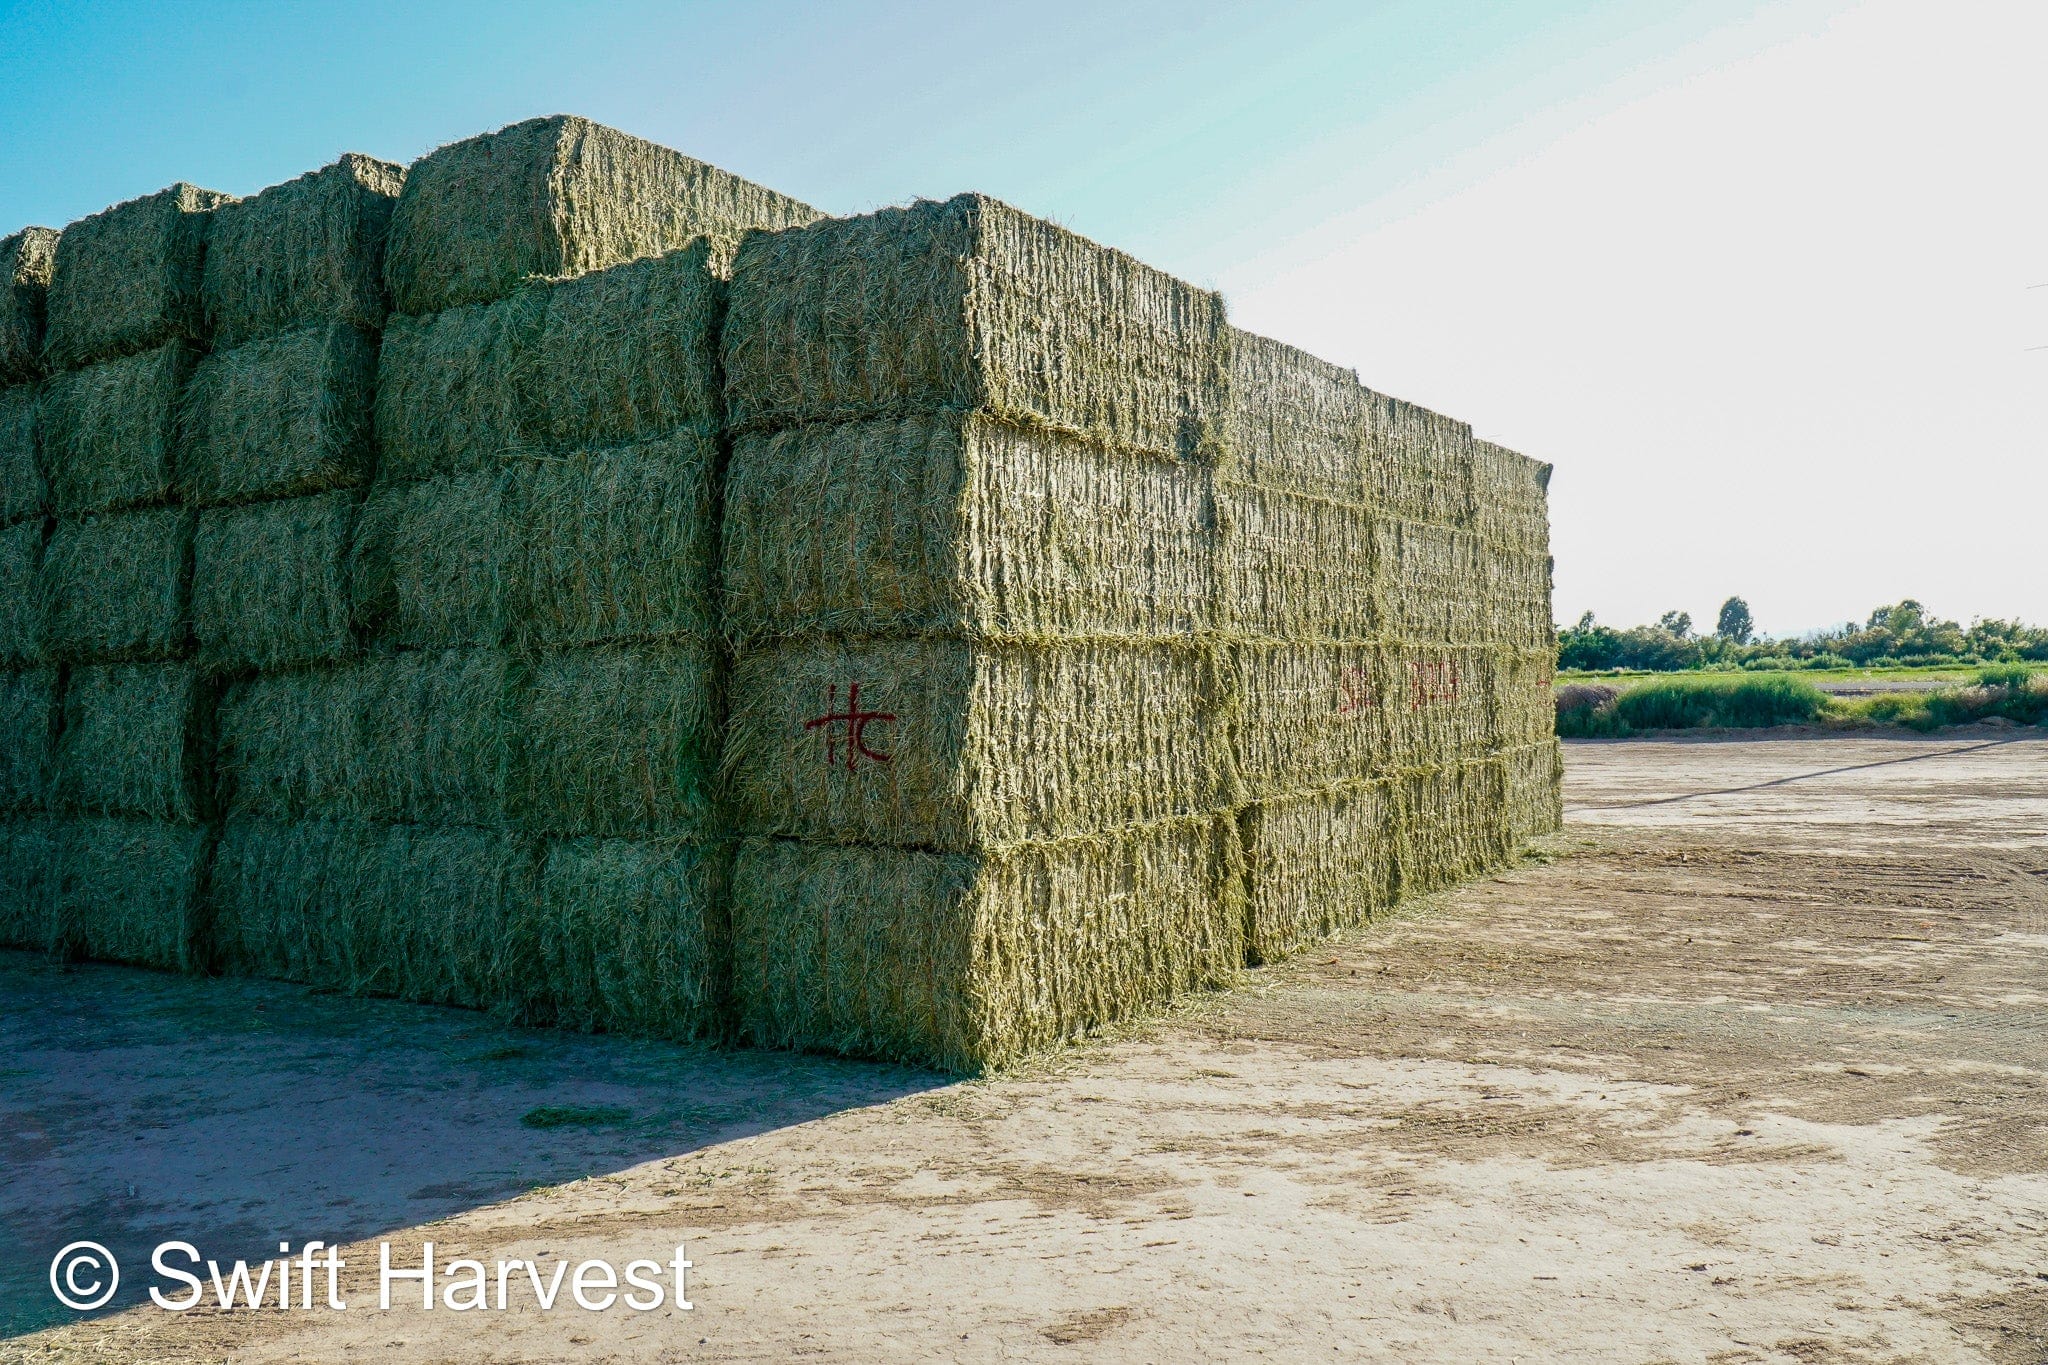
[{"x": 1751, "y": 1064}]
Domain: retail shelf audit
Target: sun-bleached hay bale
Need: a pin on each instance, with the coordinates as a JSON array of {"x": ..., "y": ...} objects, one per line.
[
  {"x": 292, "y": 744},
  {"x": 26, "y": 260},
  {"x": 270, "y": 582},
  {"x": 110, "y": 431},
  {"x": 306, "y": 252},
  {"x": 29, "y": 712},
  {"x": 949, "y": 744},
  {"x": 553, "y": 197},
  {"x": 279, "y": 417},
  {"x": 1316, "y": 863},
  {"x": 117, "y": 587},
  {"x": 635, "y": 936},
  {"x": 430, "y": 561},
  {"x": 426, "y": 914},
  {"x": 1418, "y": 463},
  {"x": 1293, "y": 566},
  {"x": 1295, "y": 422},
  {"x": 21, "y": 594},
  {"x": 969, "y": 961},
  {"x": 127, "y": 278},
  {"x": 132, "y": 891},
  {"x": 947, "y": 522},
  {"x": 24, "y": 488},
  {"x": 137, "y": 740},
  {"x": 1523, "y": 709},
  {"x": 28, "y": 881},
  {"x": 969, "y": 305}
]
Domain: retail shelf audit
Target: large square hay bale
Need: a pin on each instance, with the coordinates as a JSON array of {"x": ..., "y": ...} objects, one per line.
[
  {"x": 131, "y": 891},
  {"x": 433, "y": 915},
  {"x": 948, "y": 522},
  {"x": 430, "y": 561},
  {"x": 1294, "y": 566},
  {"x": 24, "y": 491},
  {"x": 29, "y": 713},
  {"x": 28, "y": 881},
  {"x": 635, "y": 936},
  {"x": 947, "y": 744},
  {"x": 616, "y": 740},
  {"x": 292, "y": 744},
  {"x": 969, "y": 305},
  {"x": 282, "y": 416},
  {"x": 308, "y": 251},
  {"x": 110, "y": 431},
  {"x": 1306, "y": 713},
  {"x": 966, "y": 961},
  {"x": 552, "y": 197},
  {"x": 127, "y": 278},
  {"x": 1533, "y": 789},
  {"x": 21, "y": 594},
  {"x": 1295, "y": 422},
  {"x": 436, "y": 738},
  {"x": 1450, "y": 822},
  {"x": 270, "y": 582},
  {"x": 1316, "y": 863},
  {"x": 1524, "y": 711},
  {"x": 1418, "y": 462},
  {"x": 447, "y": 392},
  {"x": 1510, "y": 499},
  {"x": 118, "y": 586},
  {"x": 26, "y": 259},
  {"x": 614, "y": 545},
  {"x": 1440, "y": 703},
  {"x": 138, "y": 741}
]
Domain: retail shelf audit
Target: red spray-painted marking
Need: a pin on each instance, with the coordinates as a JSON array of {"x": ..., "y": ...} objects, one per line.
[
  {"x": 1431, "y": 682},
  {"x": 1354, "y": 692},
  {"x": 856, "y": 722}
]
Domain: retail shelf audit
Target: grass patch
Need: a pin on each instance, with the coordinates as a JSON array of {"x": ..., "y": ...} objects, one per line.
[
  {"x": 575, "y": 1116},
  {"x": 2000, "y": 693}
]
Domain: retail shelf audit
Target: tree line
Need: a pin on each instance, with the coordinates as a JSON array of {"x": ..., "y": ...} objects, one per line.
[{"x": 1903, "y": 634}]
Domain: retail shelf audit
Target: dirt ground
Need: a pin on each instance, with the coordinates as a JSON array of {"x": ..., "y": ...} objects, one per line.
[{"x": 1750, "y": 1064}]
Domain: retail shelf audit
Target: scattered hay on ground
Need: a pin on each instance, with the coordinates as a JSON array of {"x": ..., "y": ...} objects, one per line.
[
  {"x": 286, "y": 415},
  {"x": 270, "y": 583},
  {"x": 127, "y": 278},
  {"x": 110, "y": 431}
]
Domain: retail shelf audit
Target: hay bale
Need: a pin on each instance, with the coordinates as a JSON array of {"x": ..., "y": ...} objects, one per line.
[
  {"x": 26, "y": 259},
  {"x": 1293, "y": 566},
  {"x": 110, "y": 431},
  {"x": 24, "y": 491},
  {"x": 117, "y": 587},
  {"x": 955, "y": 745},
  {"x": 432, "y": 915},
  {"x": 1449, "y": 823},
  {"x": 127, "y": 278},
  {"x": 270, "y": 582},
  {"x": 28, "y": 882},
  {"x": 635, "y": 936},
  {"x": 131, "y": 891},
  {"x": 1316, "y": 863},
  {"x": 1533, "y": 790},
  {"x": 305, "y": 252},
  {"x": 137, "y": 740},
  {"x": 614, "y": 545},
  {"x": 21, "y": 593},
  {"x": 1510, "y": 499},
  {"x": 957, "y": 523},
  {"x": 1306, "y": 714},
  {"x": 447, "y": 395},
  {"x": 430, "y": 561},
  {"x": 436, "y": 738},
  {"x": 287, "y": 415},
  {"x": 553, "y": 197},
  {"x": 615, "y": 740},
  {"x": 1295, "y": 423},
  {"x": 969, "y": 305},
  {"x": 292, "y": 744},
  {"x": 1450, "y": 585},
  {"x": 1523, "y": 708},
  {"x": 1418, "y": 463},
  {"x": 29, "y": 713},
  {"x": 968, "y": 962}
]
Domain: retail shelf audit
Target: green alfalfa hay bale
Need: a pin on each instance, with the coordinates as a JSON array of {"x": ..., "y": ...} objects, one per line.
[
  {"x": 1533, "y": 793},
  {"x": 29, "y": 714},
  {"x": 1510, "y": 498},
  {"x": 446, "y": 392},
  {"x": 1450, "y": 822},
  {"x": 1440, "y": 703},
  {"x": 279, "y": 417},
  {"x": 305, "y": 252},
  {"x": 127, "y": 278},
  {"x": 292, "y": 744},
  {"x": 1292, "y": 566},
  {"x": 270, "y": 583},
  {"x": 24, "y": 489},
  {"x": 28, "y": 881},
  {"x": 1305, "y": 713},
  {"x": 618, "y": 544},
  {"x": 984, "y": 743},
  {"x": 1524, "y": 709},
  {"x": 21, "y": 594},
  {"x": 617, "y": 740},
  {"x": 1316, "y": 863},
  {"x": 26, "y": 260},
  {"x": 1450, "y": 585},
  {"x": 971, "y": 305},
  {"x": 430, "y": 561},
  {"x": 554, "y": 197},
  {"x": 137, "y": 741},
  {"x": 132, "y": 891},
  {"x": 635, "y": 936},
  {"x": 436, "y": 737},
  {"x": 952, "y": 522},
  {"x": 1418, "y": 462},
  {"x": 969, "y": 962},
  {"x": 117, "y": 587},
  {"x": 1295, "y": 422},
  {"x": 110, "y": 430},
  {"x": 423, "y": 914}
]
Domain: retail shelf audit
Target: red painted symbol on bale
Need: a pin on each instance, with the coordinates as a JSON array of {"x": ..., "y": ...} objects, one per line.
[
  {"x": 1429, "y": 682},
  {"x": 856, "y": 722},
  {"x": 1354, "y": 692}
]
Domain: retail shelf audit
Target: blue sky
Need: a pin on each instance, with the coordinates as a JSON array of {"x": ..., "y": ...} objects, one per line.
[{"x": 1356, "y": 177}]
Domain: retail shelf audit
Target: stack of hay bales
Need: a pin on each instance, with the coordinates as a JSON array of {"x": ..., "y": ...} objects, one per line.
[
  {"x": 974, "y": 748},
  {"x": 30, "y": 694},
  {"x": 507, "y": 802},
  {"x": 131, "y": 773}
]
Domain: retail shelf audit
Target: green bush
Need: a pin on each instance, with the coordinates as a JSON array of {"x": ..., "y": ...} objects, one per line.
[{"x": 1691, "y": 703}]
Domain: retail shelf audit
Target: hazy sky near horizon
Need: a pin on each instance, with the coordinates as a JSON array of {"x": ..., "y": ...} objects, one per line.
[{"x": 1754, "y": 277}]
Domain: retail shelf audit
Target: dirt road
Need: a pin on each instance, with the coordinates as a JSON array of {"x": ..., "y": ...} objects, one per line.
[{"x": 1751, "y": 1064}]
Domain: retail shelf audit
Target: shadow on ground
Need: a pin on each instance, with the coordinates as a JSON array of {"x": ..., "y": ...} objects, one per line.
[{"x": 137, "y": 1107}]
